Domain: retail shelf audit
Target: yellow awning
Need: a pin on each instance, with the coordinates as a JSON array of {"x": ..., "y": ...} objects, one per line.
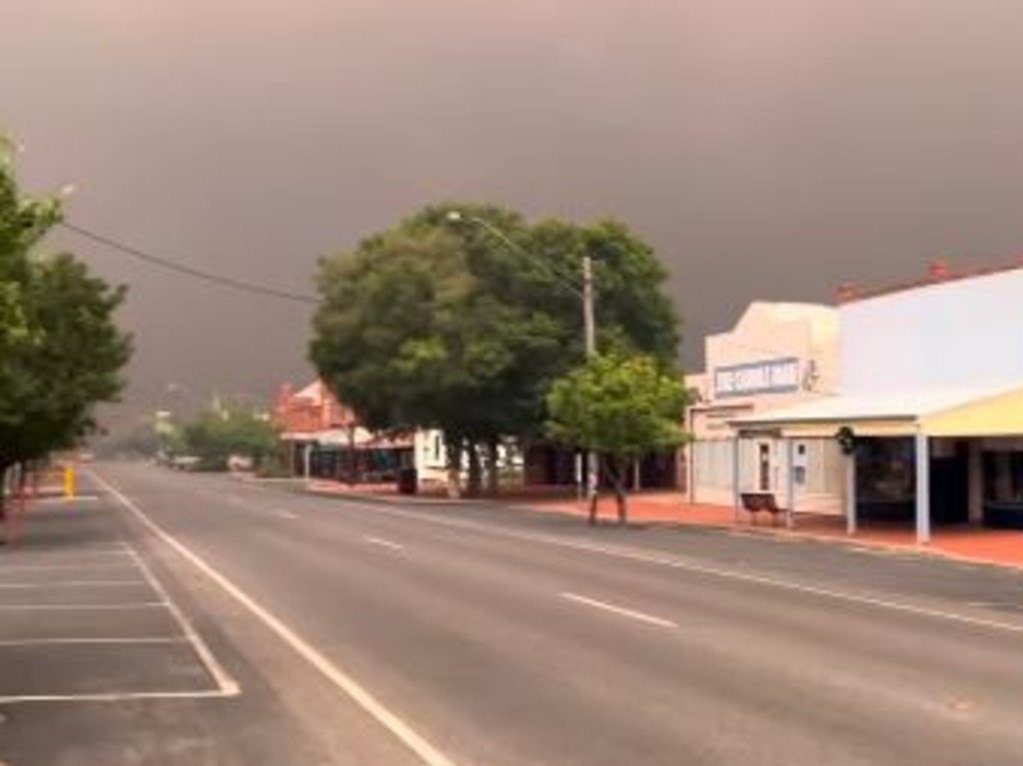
[{"x": 1000, "y": 415}]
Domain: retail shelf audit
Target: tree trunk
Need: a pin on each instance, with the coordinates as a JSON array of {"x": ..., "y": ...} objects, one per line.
[
  {"x": 594, "y": 497},
  {"x": 5, "y": 526},
  {"x": 453, "y": 447},
  {"x": 617, "y": 471},
  {"x": 353, "y": 465},
  {"x": 19, "y": 513},
  {"x": 493, "y": 466},
  {"x": 475, "y": 488}
]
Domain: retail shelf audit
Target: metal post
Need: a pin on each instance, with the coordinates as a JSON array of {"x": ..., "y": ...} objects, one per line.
[
  {"x": 307, "y": 460},
  {"x": 790, "y": 483},
  {"x": 737, "y": 473},
  {"x": 923, "y": 489},
  {"x": 850, "y": 494},
  {"x": 590, "y": 334}
]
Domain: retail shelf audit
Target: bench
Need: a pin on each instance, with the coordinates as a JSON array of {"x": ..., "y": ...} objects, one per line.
[{"x": 757, "y": 502}]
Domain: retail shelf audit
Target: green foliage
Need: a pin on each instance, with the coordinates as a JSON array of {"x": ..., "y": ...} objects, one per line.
[
  {"x": 463, "y": 326},
  {"x": 60, "y": 350},
  {"x": 221, "y": 433},
  {"x": 619, "y": 406}
]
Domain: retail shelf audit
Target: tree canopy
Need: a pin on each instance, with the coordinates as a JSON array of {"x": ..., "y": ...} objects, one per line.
[
  {"x": 61, "y": 351},
  {"x": 462, "y": 322},
  {"x": 220, "y": 433}
]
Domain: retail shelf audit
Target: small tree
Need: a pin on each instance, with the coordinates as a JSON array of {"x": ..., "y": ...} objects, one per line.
[{"x": 621, "y": 408}]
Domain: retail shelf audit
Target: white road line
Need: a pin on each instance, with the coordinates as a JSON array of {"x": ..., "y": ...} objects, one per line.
[
  {"x": 282, "y": 514},
  {"x": 92, "y": 641},
  {"x": 91, "y": 556},
  {"x": 640, "y": 616},
  {"x": 672, "y": 562},
  {"x": 426, "y": 752},
  {"x": 63, "y": 500},
  {"x": 14, "y": 699},
  {"x": 58, "y": 567},
  {"x": 73, "y": 584},
  {"x": 382, "y": 543},
  {"x": 222, "y": 678},
  {"x": 85, "y": 607}
]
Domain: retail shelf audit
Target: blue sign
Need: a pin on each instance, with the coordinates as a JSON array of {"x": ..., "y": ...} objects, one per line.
[{"x": 771, "y": 376}]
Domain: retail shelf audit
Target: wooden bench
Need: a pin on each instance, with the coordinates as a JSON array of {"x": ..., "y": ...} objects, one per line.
[{"x": 757, "y": 502}]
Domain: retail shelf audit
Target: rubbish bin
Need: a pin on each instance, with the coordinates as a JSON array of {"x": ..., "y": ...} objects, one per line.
[{"x": 408, "y": 481}]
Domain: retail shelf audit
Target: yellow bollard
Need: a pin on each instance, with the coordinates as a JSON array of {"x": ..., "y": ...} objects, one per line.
[{"x": 69, "y": 482}]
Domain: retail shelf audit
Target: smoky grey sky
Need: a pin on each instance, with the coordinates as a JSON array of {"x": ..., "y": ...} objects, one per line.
[{"x": 768, "y": 148}]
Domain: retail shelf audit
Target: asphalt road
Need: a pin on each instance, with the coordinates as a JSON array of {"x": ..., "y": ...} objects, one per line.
[{"x": 475, "y": 635}]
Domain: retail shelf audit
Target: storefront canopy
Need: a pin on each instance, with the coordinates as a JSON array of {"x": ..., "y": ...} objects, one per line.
[{"x": 954, "y": 413}]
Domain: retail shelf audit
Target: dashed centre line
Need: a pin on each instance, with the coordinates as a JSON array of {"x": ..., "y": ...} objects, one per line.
[
  {"x": 383, "y": 543},
  {"x": 621, "y": 611}
]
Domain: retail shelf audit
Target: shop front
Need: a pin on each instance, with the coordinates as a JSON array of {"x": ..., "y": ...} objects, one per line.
[
  {"x": 930, "y": 415},
  {"x": 776, "y": 356}
]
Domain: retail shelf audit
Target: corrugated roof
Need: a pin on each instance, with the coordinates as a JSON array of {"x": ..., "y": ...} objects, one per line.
[{"x": 852, "y": 294}]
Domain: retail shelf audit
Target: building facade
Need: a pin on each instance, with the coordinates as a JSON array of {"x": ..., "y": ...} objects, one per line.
[
  {"x": 776, "y": 356},
  {"x": 931, "y": 406}
]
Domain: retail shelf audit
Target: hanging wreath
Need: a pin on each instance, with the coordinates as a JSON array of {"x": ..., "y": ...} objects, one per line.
[{"x": 846, "y": 440}]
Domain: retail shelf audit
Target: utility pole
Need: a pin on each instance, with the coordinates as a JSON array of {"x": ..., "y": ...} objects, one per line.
[{"x": 590, "y": 334}]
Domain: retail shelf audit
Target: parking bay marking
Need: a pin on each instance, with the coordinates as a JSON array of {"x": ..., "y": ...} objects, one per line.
[
  {"x": 344, "y": 683},
  {"x": 74, "y": 584}
]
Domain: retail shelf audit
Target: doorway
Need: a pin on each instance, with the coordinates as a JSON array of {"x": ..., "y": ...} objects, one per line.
[
  {"x": 950, "y": 486},
  {"x": 763, "y": 467}
]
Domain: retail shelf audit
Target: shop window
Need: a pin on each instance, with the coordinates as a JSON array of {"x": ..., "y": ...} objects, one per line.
[
  {"x": 1003, "y": 477},
  {"x": 885, "y": 471}
]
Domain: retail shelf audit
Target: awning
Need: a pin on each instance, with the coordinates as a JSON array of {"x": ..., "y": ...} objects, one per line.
[{"x": 992, "y": 411}]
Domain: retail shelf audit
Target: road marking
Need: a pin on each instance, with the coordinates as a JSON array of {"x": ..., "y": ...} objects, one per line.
[
  {"x": 58, "y": 567},
  {"x": 94, "y": 557},
  {"x": 63, "y": 500},
  {"x": 91, "y": 641},
  {"x": 673, "y": 562},
  {"x": 640, "y": 616},
  {"x": 14, "y": 699},
  {"x": 87, "y": 607},
  {"x": 222, "y": 678},
  {"x": 282, "y": 514},
  {"x": 426, "y": 752},
  {"x": 73, "y": 584},
  {"x": 382, "y": 543}
]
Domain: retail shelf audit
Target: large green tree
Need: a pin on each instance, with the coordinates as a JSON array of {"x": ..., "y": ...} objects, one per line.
[
  {"x": 463, "y": 324},
  {"x": 61, "y": 351},
  {"x": 620, "y": 407}
]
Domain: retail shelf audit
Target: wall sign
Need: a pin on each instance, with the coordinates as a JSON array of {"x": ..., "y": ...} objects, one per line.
[{"x": 771, "y": 376}]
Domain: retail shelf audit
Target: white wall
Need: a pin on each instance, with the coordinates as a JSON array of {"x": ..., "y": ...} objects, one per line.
[{"x": 966, "y": 332}]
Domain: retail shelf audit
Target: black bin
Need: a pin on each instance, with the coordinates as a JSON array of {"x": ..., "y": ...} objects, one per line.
[{"x": 408, "y": 481}]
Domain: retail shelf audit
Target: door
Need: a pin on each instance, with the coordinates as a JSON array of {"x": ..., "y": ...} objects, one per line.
[
  {"x": 950, "y": 487},
  {"x": 763, "y": 466}
]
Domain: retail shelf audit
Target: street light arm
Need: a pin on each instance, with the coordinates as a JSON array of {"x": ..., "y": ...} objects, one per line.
[{"x": 457, "y": 216}]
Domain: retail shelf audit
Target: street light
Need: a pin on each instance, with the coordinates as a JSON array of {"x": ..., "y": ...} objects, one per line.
[{"x": 585, "y": 295}]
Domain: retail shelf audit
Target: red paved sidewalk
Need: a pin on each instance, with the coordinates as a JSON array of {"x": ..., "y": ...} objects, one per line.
[{"x": 969, "y": 543}]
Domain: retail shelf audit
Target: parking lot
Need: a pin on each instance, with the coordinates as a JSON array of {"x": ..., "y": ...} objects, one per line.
[{"x": 83, "y": 617}]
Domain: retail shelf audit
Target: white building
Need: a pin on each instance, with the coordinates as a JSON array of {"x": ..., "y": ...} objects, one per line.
[
  {"x": 776, "y": 356},
  {"x": 931, "y": 404}
]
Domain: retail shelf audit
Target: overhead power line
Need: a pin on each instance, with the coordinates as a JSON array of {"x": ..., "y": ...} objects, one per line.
[{"x": 170, "y": 264}]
